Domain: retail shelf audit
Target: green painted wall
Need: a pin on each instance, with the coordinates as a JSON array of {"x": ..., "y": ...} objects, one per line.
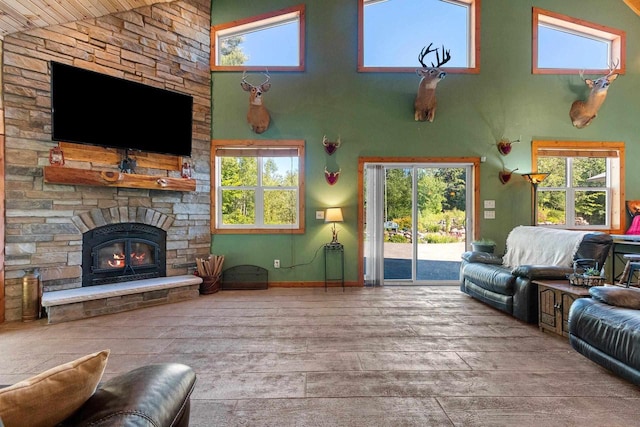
[{"x": 373, "y": 114}]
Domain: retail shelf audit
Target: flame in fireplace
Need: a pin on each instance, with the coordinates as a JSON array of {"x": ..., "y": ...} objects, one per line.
[
  {"x": 138, "y": 258},
  {"x": 118, "y": 261}
]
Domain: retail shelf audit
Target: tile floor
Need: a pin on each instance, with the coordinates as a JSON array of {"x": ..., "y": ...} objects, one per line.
[{"x": 392, "y": 356}]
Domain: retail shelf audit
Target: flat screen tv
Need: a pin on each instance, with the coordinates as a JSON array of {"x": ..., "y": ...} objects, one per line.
[{"x": 97, "y": 109}]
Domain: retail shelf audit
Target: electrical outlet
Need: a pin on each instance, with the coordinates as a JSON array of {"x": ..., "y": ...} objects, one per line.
[{"x": 276, "y": 263}]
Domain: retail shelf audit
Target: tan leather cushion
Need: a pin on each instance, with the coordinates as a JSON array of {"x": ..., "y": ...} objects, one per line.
[{"x": 52, "y": 396}]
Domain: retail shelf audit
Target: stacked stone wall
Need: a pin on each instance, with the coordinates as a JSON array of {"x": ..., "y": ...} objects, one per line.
[{"x": 166, "y": 46}]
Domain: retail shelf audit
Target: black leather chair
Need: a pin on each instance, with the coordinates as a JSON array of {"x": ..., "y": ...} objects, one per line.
[
  {"x": 606, "y": 333},
  {"x": 152, "y": 395}
]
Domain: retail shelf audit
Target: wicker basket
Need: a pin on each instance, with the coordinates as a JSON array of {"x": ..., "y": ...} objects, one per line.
[
  {"x": 210, "y": 284},
  {"x": 586, "y": 281}
]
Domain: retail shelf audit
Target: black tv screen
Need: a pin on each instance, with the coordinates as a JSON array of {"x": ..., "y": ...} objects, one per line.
[{"x": 94, "y": 108}]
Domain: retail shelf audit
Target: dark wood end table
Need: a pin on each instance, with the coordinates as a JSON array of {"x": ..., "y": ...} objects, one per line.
[{"x": 554, "y": 301}]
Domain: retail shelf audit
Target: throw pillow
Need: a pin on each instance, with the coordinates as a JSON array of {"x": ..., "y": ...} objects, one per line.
[
  {"x": 52, "y": 396},
  {"x": 620, "y": 297}
]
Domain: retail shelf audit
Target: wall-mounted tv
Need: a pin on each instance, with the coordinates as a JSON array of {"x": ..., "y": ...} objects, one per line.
[{"x": 97, "y": 109}]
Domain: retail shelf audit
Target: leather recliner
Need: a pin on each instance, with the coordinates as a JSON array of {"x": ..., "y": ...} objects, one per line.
[
  {"x": 608, "y": 335},
  {"x": 152, "y": 395}
]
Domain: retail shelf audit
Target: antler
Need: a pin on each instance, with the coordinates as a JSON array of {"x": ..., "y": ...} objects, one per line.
[
  {"x": 446, "y": 56},
  {"x": 268, "y": 77},
  {"x": 612, "y": 67},
  {"x": 424, "y": 52},
  {"x": 266, "y": 74}
]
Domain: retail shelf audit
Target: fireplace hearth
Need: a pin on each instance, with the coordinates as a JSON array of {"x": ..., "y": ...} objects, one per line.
[{"x": 123, "y": 252}]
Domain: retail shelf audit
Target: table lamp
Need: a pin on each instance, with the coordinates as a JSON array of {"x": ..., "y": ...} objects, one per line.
[{"x": 334, "y": 215}]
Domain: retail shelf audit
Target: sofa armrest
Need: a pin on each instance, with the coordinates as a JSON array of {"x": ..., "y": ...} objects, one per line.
[
  {"x": 156, "y": 395},
  {"x": 533, "y": 272},
  {"x": 481, "y": 257}
]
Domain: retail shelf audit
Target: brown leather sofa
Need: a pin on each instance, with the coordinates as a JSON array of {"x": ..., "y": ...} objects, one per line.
[{"x": 152, "y": 395}]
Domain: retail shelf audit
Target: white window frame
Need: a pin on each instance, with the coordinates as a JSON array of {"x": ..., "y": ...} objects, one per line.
[
  {"x": 614, "y": 152},
  {"x": 616, "y": 40},
  {"x": 570, "y": 197},
  {"x": 263, "y": 147},
  {"x": 473, "y": 32},
  {"x": 257, "y": 23}
]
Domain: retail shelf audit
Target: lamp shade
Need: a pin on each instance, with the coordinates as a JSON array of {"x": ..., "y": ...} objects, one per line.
[
  {"x": 535, "y": 177},
  {"x": 333, "y": 215}
]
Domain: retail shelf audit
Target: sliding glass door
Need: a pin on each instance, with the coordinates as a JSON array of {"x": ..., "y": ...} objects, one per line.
[{"x": 416, "y": 221}]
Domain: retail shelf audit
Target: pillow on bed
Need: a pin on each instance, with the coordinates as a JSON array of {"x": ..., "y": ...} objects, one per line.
[
  {"x": 620, "y": 297},
  {"x": 53, "y": 395}
]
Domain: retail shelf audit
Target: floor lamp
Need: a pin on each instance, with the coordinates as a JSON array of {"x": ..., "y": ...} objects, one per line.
[{"x": 534, "y": 179}]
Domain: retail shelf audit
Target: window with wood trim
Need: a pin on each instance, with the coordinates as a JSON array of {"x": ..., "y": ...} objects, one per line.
[
  {"x": 585, "y": 186},
  {"x": 274, "y": 41},
  {"x": 391, "y": 34},
  {"x": 259, "y": 186},
  {"x": 566, "y": 45}
]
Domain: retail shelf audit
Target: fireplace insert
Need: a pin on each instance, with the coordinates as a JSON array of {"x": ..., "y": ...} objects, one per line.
[{"x": 122, "y": 252}]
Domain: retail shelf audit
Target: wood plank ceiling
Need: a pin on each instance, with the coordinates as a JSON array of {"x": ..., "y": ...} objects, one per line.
[
  {"x": 22, "y": 15},
  {"x": 634, "y": 5}
]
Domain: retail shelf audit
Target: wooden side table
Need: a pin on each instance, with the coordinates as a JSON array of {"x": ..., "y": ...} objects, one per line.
[{"x": 554, "y": 301}]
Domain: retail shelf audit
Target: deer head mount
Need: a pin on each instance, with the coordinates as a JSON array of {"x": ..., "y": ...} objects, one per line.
[
  {"x": 583, "y": 112},
  {"x": 331, "y": 177},
  {"x": 258, "y": 115},
  {"x": 329, "y": 146},
  {"x": 425, "y": 103}
]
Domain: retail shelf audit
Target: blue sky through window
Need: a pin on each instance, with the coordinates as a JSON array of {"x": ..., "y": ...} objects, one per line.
[
  {"x": 560, "y": 49},
  {"x": 395, "y": 31},
  {"x": 275, "y": 46}
]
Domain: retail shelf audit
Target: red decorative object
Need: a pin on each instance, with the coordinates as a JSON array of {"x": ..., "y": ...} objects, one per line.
[
  {"x": 330, "y": 147},
  {"x": 504, "y": 146},
  {"x": 186, "y": 170},
  {"x": 505, "y": 175},
  {"x": 56, "y": 156},
  {"x": 331, "y": 177}
]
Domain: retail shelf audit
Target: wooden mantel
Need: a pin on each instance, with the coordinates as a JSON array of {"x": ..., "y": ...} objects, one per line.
[
  {"x": 105, "y": 175},
  {"x": 73, "y": 176}
]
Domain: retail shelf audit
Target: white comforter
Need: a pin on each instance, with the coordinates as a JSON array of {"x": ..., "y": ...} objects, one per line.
[{"x": 527, "y": 245}]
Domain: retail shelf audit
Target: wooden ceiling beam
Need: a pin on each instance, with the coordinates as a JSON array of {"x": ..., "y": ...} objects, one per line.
[
  {"x": 22, "y": 15},
  {"x": 634, "y": 5}
]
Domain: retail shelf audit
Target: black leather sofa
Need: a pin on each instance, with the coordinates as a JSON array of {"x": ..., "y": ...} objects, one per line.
[
  {"x": 606, "y": 329},
  {"x": 510, "y": 289},
  {"x": 152, "y": 395}
]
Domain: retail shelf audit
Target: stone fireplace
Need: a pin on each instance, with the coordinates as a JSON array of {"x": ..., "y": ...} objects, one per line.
[
  {"x": 165, "y": 45},
  {"x": 127, "y": 262},
  {"x": 122, "y": 244},
  {"x": 123, "y": 252}
]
